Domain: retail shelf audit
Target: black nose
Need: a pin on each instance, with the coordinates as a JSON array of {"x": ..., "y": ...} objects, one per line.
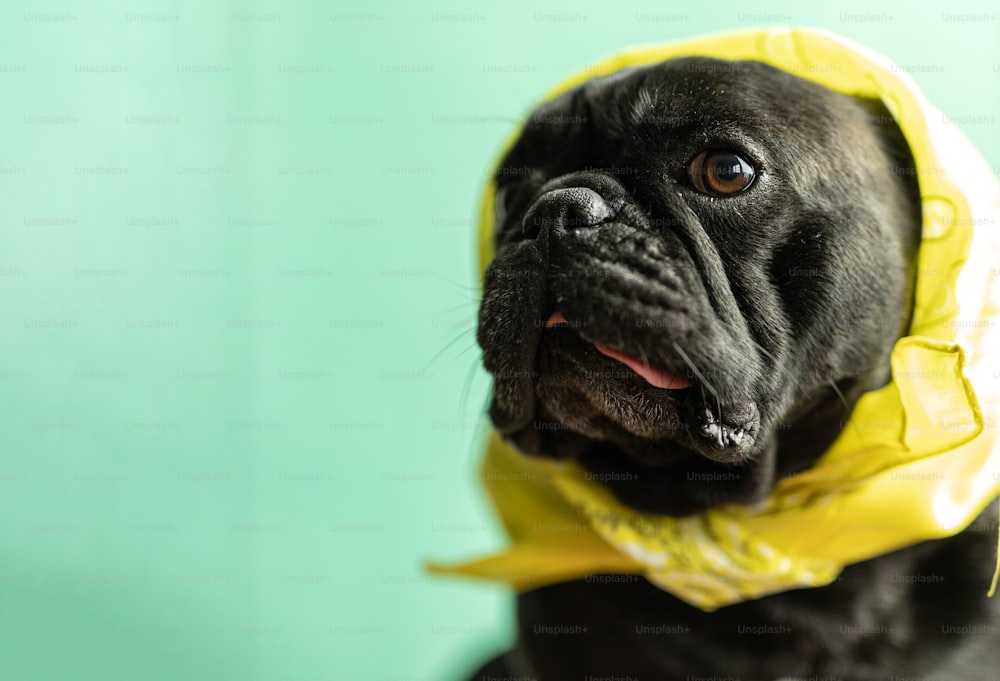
[{"x": 567, "y": 209}]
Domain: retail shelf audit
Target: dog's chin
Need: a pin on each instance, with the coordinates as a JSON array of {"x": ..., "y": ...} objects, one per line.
[{"x": 656, "y": 475}]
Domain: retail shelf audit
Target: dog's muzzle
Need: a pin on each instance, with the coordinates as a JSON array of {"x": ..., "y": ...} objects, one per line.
[{"x": 626, "y": 291}]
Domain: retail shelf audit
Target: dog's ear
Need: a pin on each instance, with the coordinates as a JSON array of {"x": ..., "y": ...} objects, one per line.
[
  {"x": 888, "y": 132},
  {"x": 903, "y": 193}
]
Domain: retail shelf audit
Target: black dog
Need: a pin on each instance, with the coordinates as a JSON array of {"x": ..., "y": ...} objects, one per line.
[{"x": 744, "y": 243}]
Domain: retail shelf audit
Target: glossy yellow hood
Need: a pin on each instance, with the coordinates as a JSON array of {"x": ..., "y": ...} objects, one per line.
[{"x": 918, "y": 458}]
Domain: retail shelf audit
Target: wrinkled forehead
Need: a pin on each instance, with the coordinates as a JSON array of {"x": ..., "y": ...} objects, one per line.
[{"x": 700, "y": 92}]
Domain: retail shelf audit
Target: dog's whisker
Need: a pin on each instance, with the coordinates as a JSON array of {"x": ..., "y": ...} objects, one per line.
[
  {"x": 840, "y": 395},
  {"x": 847, "y": 408},
  {"x": 466, "y": 387},
  {"x": 774, "y": 362},
  {"x": 464, "y": 305},
  {"x": 792, "y": 377},
  {"x": 464, "y": 286},
  {"x": 701, "y": 378},
  {"x": 703, "y": 382},
  {"x": 461, "y": 334},
  {"x": 644, "y": 357},
  {"x": 473, "y": 345}
]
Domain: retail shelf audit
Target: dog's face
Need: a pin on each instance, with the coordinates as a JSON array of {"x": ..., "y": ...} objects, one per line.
[{"x": 700, "y": 266}]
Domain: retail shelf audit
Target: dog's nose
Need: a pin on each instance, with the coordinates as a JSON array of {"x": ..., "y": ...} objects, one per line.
[{"x": 567, "y": 209}]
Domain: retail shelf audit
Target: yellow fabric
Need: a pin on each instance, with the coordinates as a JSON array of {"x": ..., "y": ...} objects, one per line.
[{"x": 917, "y": 460}]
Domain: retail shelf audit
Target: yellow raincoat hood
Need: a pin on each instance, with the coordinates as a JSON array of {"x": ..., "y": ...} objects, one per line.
[{"x": 917, "y": 460}]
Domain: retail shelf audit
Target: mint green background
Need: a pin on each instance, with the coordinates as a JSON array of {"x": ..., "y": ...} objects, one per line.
[{"x": 239, "y": 383}]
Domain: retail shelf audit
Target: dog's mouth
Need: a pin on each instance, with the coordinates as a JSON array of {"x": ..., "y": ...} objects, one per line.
[
  {"x": 657, "y": 415},
  {"x": 655, "y": 376}
]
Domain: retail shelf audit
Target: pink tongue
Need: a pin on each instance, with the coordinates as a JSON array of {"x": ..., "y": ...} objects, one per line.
[
  {"x": 656, "y": 377},
  {"x": 555, "y": 319}
]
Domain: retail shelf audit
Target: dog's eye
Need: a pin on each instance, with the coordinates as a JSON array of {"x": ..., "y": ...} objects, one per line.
[{"x": 720, "y": 172}]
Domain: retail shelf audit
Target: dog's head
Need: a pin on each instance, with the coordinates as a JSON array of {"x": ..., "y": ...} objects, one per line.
[{"x": 700, "y": 266}]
